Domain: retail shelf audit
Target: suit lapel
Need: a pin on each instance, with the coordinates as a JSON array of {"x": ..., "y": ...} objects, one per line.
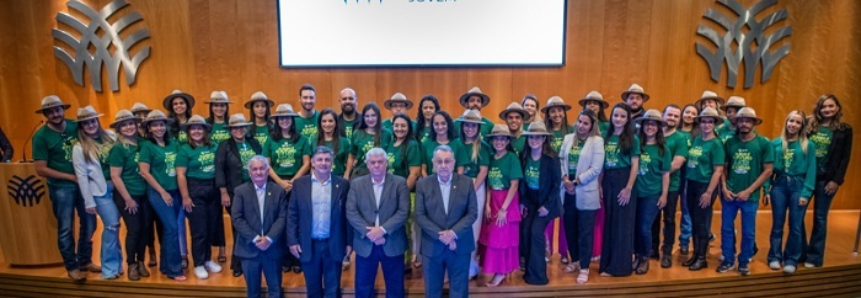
[
  {"x": 334, "y": 200},
  {"x": 254, "y": 203},
  {"x": 387, "y": 187}
]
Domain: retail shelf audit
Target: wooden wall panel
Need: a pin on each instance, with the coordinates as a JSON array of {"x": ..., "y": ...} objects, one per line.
[{"x": 204, "y": 45}]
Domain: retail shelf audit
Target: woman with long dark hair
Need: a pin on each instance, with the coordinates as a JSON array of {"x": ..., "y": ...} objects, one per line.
[
  {"x": 475, "y": 167},
  {"x": 653, "y": 182},
  {"x": 428, "y": 105},
  {"x": 556, "y": 121},
  {"x": 287, "y": 150},
  {"x": 405, "y": 160},
  {"x": 368, "y": 134},
  {"x": 690, "y": 129},
  {"x": 178, "y": 106},
  {"x": 530, "y": 105},
  {"x": 219, "y": 109},
  {"x": 443, "y": 134},
  {"x": 258, "y": 109},
  {"x": 329, "y": 125}
]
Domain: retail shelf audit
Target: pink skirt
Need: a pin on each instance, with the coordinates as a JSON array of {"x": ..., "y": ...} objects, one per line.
[{"x": 500, "y": 245}]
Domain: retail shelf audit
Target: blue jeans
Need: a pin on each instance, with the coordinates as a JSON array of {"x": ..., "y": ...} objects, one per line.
[
  {"x": 647, "y": 209},
  {"x": 785, "y": 193},
  {"x": 65, "y": 200},
  {"x": 748, "y": 229},
  {"x": 821, "y": 206},
  {"x": 685, "y": 226},
  {"x": 111, "y": 255},
  {"x": 170, "y": 263}
]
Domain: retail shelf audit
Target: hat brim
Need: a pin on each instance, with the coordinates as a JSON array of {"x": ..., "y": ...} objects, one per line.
[
  {"x": 141, "y": 111},
  {"x": 96, "y": 116},
  {"x": 565, "y": 107},
  {"x": 756, "y": 120},
  {"x": 720, "y": 101},
  {"x": 284, "y": 115},
  {"x": 65, "y": 107},
  {"x": 209, "y": 102},
  {"x": 717, "y": 118},
  {"x": 625, "y": 94},
  {"x": 723, "y": 107},
  {"x": 462, "y": 121},
  {"x": 485, "y": 100},
  {"x": 135, "y": 119},
  {"x": 246, "y": 124},
  {"x": 603, "y": 103},
  {"x": 510, "y": 136},
  {"x": 640, "y": 120},
  {"x": 504, "y": 113},
  {"x": 207, "y": 125},
  {"x": 388, "y": 103},
  {"x": 251, "y": 102},
  {"x": 166, "y": 121},
  {"x": 188, "y": 98},
  {"x": 526, "y": 133}
]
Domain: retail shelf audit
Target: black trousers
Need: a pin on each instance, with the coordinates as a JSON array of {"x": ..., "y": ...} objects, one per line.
[
  {"x": 235, "y": 262},
  {"x": 579, "y": 231},
  {"x": 619, "y": 225},
  {"x": 289, "y": 260},
  {"x": 204, "y": 214},
  {"x": 138, "y": 226},
  {"x": 322, "y": 272},
  {"x": 701, "y": 218},
  {"x": 532, "y": 234},
  {"x": 669, "y": 219}
]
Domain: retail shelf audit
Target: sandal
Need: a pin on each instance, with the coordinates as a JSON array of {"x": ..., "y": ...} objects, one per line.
[
  {"x": 178, "y": 278},
  {"x": 583, "y": 277},
  {"x": 573, "y": 266},
  {"x": 495, "y": 281},
  {"x": 222, "y": 259}
]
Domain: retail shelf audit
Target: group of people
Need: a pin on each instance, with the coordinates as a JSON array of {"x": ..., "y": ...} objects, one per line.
[{"x": 451, "y": 195}]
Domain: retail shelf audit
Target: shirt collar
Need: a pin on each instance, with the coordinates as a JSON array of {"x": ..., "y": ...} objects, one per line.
[
  {"x": 444, "y": 183},
  {"x": 383, "y": 181},
  {"x": 314, "y": 179},
  {"x": 259, "y": 188}
]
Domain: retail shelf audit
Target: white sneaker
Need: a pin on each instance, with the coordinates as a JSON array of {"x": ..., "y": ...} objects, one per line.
[
  {"x": 212, "y": 266},
  {"x": 774, "y": 265},
  {"x": 789, "y": 269},
  {"x": 808, "y": 265},
  {"x": 720, "y": 257},
  {"x": 200, "y": 272}
]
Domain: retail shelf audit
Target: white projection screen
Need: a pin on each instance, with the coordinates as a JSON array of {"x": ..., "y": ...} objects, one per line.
[{"x": 416, "y": 33}]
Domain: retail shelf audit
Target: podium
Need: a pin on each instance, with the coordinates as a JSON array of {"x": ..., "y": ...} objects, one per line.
[{"x": 28, "y": 228}]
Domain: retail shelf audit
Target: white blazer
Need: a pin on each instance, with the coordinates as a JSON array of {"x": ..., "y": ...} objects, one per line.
[
  {"x": 90, "y": 178},
  {"x": 588, "y": 169}
]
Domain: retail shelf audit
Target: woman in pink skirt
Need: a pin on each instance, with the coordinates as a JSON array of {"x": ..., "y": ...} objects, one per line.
[{"x": 500, "y": 234}]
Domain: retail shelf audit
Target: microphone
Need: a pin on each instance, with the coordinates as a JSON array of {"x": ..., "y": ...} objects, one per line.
[{"x": 33, "y": 132}]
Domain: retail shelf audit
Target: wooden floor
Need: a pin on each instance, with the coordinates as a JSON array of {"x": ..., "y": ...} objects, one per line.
[{"x": 838, "y": 278}]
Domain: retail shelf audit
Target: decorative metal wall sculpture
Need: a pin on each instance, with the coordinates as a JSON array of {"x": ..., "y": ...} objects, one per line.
[
  {"x": 26, "y": 191},
  {"x": 110, "y": 39},
  {"x": 746, "y": 51}
]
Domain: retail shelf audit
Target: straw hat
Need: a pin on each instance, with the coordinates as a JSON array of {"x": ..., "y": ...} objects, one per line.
[
  {"x": 197, "y": 120},
  {"x": 652, "y": 115},
  {"x": 166, "y": 103},
  {"x": 50, "y": 102},
  {"x": 237, "y": 120},
  {"x": 284, "y": 110},
  {"x": 474, "y": 91},
  {"x": 746, "y": 112},
  {"x": 156, "y": 115},
  {"x": 708, "y": 94},
  {"x": 397, "y": 97},
  {"x": 514, "y": 107},
  {"x": 708, "y": 112},
  {"x": 139, "y": 107},
  {"x": 555, "y": 101},
  {"x": 87, "y": 113},
  {"x": 259, "y": 96},
  {"x": 594, "y": 96},
  {"x": 218, "y": 97},
  {"x": 500, "y": 130},
  {"x": 536, "y": 128},
  {"x": 734, "y": 101},
  {"x": 471, "y": 116},
  {"x": 636, "y": 89},
  {"x": 122, "y": 116}
]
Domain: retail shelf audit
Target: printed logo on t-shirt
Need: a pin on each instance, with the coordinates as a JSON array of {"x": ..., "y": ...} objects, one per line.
[
  {"x": 207, "y": 161},
  {"x": 741, "y": 161},
  {"x": 694, "y": 155},
  {"x": 286, "y": 155},
  {"x": 822, "y": 141},
  {"x": 169, "y": 161}
]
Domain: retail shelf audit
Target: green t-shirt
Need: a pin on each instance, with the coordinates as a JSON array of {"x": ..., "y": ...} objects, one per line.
[
  {"x": 423, "y": 135},
  {"x": 182, "y": 136},
  {"x": 104, "y": 159},
  {"x": 461, "y": 156},
  {"x": 341, "y": 157},
  {"x": 162, "y": 162},
  {"x": 127, "y": 157},
  {"x": 307, "y": 127},
  {"x": 558, "y": 137},
  {"x": 261, "y": 133},
  {"x": 503, "y": 170},
  {"x": 363, "y": 142},
  {"x": 348, "y": 126},
  {"x": 219, "y": 133},
  {"x": 725, "y": 131},
  {"x": 472, "y": 167},
  {"x": 746, "y": 162},
  {"x": 822, "y": 139},
  {"x": 702, "y": 157},
  {"x": 56, "y": 149},
  {"x": 652, "y": 167},
  {"x": 604, "y": 126},
  {"x": 573, "y": 159},
  {"x": 794, "y": 163},
  {"x": 245, "y": 154},
  {"x": 533, "y": 169},
  {"x": 614, "y": 158},
  {"x": 387, "y": 124},
  {"x": 199, "y": 162},
  {"x": 688, "y": 136},
  {"x": 677, "y": 145},
  {"x": 519, "y": 144},
  {"x": 286, "y": 156},
  {"x": 402, "y": 158}
]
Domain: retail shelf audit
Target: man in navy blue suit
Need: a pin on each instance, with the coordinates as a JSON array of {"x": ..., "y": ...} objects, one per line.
[
  {"x": 259, "y": 215},
  {"x": 317, "y": 225}
]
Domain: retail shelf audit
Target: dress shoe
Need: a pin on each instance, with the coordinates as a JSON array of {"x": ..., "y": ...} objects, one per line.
[
  {"x": 134, "y": 272},
  {"x": 237, "y": 273},
  {"x": 92, "y": 268},
  {"x": 690, "y": 261},
  {"x": 684, "y": 250},
  {"x": 297, "y": 269},
  {"x": 643, "y": 268},
  {"x": 666, "y": 261},
  {"x": 77, "y": 276},
  {"x": 142, "y": 271},
  {"x": 699, "y": 264}
]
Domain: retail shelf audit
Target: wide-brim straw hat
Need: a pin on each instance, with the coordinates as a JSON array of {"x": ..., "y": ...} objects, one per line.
[
  {"x": 500, "y": 130},
  {"x": 139, "y": 107},
  {"x": 734, "y": 101},
  {"x": 708, "y": 94},
  {"x": 196, "y": 120},
  {"x": 556, "y": 101},
  {"x": 709, "y": 112},
  {"x": 397, "y": 97},
  {"x": 652, "y": 115},
  {"x": 746, "y": 112},
  {"x": 471, "y": 116},
  {"x": 166, "y": 103},
  {"x": 259, "y": 96},
  {"x": 514, "y": 107},
  {"x": 155, "y": 115},
  {"x": 87, "y": 113},
  {"x": 536, "y": 128},
  {"x": 636, "y": 89},
  {"x": 237, "y": 120},
  {"x": 50, "y": 102},
  {"x": 594, "y": 96},
  {"x": 284, "y": 110},
  {"x": 122, "y": 116},
  {"x": 474, "y": 91},
  {"x": 218, "y": 97}
]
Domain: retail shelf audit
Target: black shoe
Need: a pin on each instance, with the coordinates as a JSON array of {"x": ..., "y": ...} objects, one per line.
[
  {"x": 237, "y": 273},
  {"x": 683, "y": 250},
  {"x": 635, "y": 264},
  {"x": 285, "y": 269},
  {"x": 743, "y": 269},
  {"x": 666, "y": 261},
  {"x": 644, "y": 266},
  {"x": 712, "y": 237},
  {"x": 297, "y": 269},
  {"x": 699, "y": 264},
  {"x": 689, "y": 261},
  {"x": 655, "y": 255},
  {"x": 725, "y": 266}
]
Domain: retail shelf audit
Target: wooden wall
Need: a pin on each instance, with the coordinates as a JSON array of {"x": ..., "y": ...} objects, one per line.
[{"x": 204, "y": 45}]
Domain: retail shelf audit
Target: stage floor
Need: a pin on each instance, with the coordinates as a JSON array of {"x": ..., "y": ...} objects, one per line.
[{"x": 839, "y": 277}]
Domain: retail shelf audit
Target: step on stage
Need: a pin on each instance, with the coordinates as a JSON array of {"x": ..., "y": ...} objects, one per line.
[{"x": 838, "y": 278}]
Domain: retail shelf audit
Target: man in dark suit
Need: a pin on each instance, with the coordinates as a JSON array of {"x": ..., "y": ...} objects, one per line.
[
  {"x": 377, "y": 208},
  {"x": 259, "y": 215},
  {"x": 317, "y": 225},
  {"x": 445, "y": 211}
]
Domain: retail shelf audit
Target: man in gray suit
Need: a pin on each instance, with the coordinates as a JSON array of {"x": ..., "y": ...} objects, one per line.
[
  {"x": 259, "y": 216},
  {"x": 445, "y": 211},
  {"x": 377, "y": 208}
]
